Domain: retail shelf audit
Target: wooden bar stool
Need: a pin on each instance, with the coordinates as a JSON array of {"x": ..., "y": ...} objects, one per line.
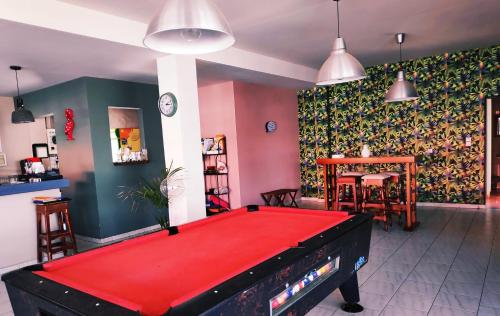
[
  {"x": 397, "y": 199},
  {"x": 353, "y": 181},
  {"x": 53, "y": 241},
  {"x": 379, "y": 184}
]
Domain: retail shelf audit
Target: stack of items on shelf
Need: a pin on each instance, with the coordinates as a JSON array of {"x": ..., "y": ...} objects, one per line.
[{"x": 216, "y": 174}]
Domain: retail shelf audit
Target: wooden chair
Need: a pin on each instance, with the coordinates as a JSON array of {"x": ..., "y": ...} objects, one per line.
[
  {"x": 377, "y": 185},
  {"x": 53, "y": 241}
]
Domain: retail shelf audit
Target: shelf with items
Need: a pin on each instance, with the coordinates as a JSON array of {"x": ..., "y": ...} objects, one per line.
[
  {"x": 132, "y": 162},
  {"x": 216, "y": 175}
]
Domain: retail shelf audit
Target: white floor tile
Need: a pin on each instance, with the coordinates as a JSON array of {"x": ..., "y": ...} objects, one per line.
[
  {"x": 320, "y": 311},
  {"x": 412, "y": 301},
  {"x": 490, "y": 299},
  {"x": 365, "y": 312},
  {"x": 400, "y": 311},
  {"x": 467, "y": 303},
  {"x": 488, "y": 311},
  {"x": 460, "y": 288},
  {"x": 446, "y": 311},
  {"x": 425, "y": 289}
]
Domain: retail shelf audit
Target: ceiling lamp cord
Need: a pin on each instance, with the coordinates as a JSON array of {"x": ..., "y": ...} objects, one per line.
[
  {"x": 400, "y": 56},
  {"x": 17, "y": 84},
  {"x": 338, "y": 19},
  {"x": 20, "y": 113}
]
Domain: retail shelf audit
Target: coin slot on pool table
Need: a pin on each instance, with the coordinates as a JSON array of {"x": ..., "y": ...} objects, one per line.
[{"x": 303, "y": 286}]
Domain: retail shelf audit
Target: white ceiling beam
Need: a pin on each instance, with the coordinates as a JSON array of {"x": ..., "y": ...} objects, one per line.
[
  {"x": 60, "y": 16},
  {"x": 236, "y": 57}
]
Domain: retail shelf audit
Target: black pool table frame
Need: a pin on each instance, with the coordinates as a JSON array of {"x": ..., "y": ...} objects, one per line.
[{"x": 246, "y": 294}]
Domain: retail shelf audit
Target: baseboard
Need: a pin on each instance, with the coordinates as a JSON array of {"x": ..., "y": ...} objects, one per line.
[
  {"x": 453, "y": 205},
  {"x": 119, "y": 237},
  {"x": 312, "y": 199},
  {"x": 4, "y": 270},
  {"x": 422, "y": 204}
]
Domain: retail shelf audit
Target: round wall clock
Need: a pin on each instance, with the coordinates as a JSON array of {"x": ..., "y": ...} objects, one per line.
[
  {"x": 167, "y": 104},
  {"x": 271, "y": 126}
]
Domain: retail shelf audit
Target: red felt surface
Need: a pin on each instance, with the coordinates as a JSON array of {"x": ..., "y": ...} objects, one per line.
[{"x": 157, "y": 271}]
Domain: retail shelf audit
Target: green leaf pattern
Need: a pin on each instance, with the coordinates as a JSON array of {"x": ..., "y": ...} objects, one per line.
[{"x": 453, "y": 88}]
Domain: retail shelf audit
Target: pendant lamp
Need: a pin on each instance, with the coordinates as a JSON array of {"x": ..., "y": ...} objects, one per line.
[
  {"x": 20, "y": 114},
  {"x": 189, "y": 27},
  {"x": 340, "y": 66},
  {"x": 401, "y": 90}
]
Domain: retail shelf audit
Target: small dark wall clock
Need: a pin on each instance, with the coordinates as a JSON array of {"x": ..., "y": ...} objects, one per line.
[
  {"x": 167, "y": 104},
  {"x": 271, "y": 126}
]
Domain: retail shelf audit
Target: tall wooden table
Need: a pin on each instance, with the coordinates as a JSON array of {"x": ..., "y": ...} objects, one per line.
[{"x": 330, "y": 179}]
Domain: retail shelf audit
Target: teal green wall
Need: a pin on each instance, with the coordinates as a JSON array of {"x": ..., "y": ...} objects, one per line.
[
  {"x": 87, "y": 161},
  {"x": 76, "y": 157},
  {"x": 115, "y": 216}
]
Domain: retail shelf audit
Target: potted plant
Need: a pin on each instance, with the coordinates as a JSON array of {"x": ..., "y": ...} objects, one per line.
[{"x": 158, "y": 191}]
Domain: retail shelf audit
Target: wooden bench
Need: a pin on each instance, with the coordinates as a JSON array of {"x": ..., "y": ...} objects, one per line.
[{"x": 280, "y": 197}]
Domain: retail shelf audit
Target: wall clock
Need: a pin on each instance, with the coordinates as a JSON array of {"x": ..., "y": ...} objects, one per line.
[
  {"x": 167, "y": 104},
  {"x": 271, "y": 126}
]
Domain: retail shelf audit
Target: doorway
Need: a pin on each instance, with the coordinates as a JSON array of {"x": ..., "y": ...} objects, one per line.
[{"x": 492, "y": 185}]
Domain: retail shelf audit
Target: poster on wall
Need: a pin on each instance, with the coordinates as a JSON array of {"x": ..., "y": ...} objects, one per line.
[{"x": 126, "y": 144}]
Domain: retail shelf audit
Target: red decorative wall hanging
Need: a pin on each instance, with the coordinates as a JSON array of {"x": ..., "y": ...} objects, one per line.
[{"x": 70, "y": 123}]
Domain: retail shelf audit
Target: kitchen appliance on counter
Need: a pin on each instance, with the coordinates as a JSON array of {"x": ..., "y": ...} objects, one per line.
[{"x": 32, "y": 168}]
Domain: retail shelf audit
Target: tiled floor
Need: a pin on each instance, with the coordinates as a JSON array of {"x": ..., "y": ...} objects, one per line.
[{"x": 449, "y": 266}]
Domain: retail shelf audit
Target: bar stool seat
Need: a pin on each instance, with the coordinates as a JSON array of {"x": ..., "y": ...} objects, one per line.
[
  {"x": 376, "y": 176},
  {"x": 62, "y": 238},
  {"x": 380, "y": 206},
  {"x": 352, "y": 174},
  {"x": 393, "y": 173},
  {"x": 352, "y": 180}
]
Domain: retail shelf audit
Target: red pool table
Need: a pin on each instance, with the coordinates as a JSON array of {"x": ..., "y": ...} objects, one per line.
[{"x": 251, "y": 261}]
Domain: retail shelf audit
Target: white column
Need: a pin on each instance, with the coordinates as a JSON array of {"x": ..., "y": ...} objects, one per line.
[{"x": 182, "y": 136}]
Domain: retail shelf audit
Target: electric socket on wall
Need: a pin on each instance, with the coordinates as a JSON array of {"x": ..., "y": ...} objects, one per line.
[{"x": 468, "y": 141}]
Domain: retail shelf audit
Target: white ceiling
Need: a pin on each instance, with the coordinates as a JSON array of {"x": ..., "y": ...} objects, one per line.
[
  {"x": 299, "y": 31},
  {"x": 302, "y": 31},
  {"x": 50, "y": 57}
]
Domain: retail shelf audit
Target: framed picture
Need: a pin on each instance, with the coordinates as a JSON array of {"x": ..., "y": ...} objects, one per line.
[{"x": 40, "y": 150}]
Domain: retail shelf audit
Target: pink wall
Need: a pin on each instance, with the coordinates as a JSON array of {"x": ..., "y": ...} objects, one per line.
[
  {"x": 267, "y": 161},
  {"x": 258, "y": 161},
  {"x": 217, "y": 116}
]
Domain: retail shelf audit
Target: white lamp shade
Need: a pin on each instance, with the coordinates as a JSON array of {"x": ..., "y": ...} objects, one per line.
[
  {"x": 189, "y": 27},
  {"x": 401, "y": 90},
  {"x": 340, "y": 66}
]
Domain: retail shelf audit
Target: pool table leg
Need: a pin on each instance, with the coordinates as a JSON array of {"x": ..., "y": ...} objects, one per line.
[{"x": 350, "y": 292}]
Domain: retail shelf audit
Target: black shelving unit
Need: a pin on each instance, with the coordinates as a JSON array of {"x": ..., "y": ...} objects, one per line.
[{"x": 215, "y": 180}]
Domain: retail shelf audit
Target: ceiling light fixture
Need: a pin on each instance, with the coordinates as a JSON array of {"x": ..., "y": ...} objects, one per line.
[
  {"x": 340, "y": 66},
  {"x": 20, "y": 114},
  {"x": 189, "y": 27},
  {"x": 401, "y": 90}
]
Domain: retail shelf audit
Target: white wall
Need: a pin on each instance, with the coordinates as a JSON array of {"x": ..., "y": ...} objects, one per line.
[
  {"x": 18, "y": 229},
  {"x": 16, "y": 140}
]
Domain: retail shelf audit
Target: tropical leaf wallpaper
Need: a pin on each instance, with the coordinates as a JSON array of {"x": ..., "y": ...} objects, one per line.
[{"x": 453, "y": 88}]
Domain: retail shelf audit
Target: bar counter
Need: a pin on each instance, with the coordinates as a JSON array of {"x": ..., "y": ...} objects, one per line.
[{"x": 18, "y": 239}]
